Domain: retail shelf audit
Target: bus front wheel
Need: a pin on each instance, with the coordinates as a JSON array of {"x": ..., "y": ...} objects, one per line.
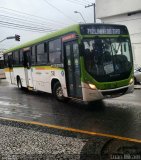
[{"x": 58, "y": 92}]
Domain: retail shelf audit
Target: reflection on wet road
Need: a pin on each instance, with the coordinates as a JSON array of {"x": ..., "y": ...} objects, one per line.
[{"x": 120, "y": 116}]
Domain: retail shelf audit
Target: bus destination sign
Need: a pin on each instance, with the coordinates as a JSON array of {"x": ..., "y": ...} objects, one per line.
[{"x": 100, "y": 29}]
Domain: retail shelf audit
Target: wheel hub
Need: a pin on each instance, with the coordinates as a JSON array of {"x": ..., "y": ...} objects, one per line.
[{"x": 59, "y": 92}]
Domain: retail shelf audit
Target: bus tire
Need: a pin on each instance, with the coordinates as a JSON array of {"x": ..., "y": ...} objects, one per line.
[
  {"x": 19, "y": 83},
  {"x": 58, "y": 92}
]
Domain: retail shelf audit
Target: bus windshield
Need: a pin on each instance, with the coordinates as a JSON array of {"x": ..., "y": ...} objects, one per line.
[{"x": 108, "y": 59}]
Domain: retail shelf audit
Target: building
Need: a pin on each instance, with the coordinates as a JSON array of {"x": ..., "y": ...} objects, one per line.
[{"x": 127, "y": 12}]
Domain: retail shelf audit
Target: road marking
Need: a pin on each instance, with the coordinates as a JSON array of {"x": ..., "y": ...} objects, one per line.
[{"x": 73, "y": 130}]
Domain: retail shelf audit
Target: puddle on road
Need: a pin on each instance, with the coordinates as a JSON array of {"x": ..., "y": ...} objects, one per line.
[
  {"x": 5, "y": 98},
  {"x": 5, "y": 103}
]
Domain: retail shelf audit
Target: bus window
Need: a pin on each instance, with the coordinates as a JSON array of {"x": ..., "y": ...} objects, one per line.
[
  {"x": 21, "y": 57},
  {"x": 1, "y": 64},
  {"x": 6, "y": 60},
  {"x": 47, "y": 51},
  {"x": 10, "y": 61},
  {"x": 41, "y": 54},
  {"x": 55, "y": 51},
  {"x": 33, "y": 55},
  {"x": 16, "y": 58}
]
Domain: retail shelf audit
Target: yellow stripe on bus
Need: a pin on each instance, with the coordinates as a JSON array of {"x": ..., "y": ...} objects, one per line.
[
  {"x": 8, "y": 70},
  {"x": 47, "y": 68},
  {"x": 36, "y": 67}
]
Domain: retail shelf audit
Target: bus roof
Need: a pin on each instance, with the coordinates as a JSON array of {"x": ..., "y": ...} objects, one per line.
[{"x": 72, "y": 28}]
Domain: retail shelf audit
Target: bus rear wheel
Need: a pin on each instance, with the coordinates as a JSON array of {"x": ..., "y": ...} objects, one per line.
[
  {"x": 58, "y": 92},
  {"x": 19, "y": 83}
]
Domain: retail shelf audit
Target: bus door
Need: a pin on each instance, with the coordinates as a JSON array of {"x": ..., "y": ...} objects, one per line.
[
  {"x": 27, "y": 68},
  {"x": 10, "y": 65},
  {"x": 72, "y": 69}
]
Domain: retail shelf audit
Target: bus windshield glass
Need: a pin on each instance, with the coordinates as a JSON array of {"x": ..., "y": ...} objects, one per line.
[{"x": 108, "y": 59}]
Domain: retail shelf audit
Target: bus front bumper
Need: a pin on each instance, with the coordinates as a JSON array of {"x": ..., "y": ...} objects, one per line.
[{"x": 95, "y": 94}]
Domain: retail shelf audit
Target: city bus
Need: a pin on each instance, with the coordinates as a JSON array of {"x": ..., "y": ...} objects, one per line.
[{"x": 87, "y": 62}]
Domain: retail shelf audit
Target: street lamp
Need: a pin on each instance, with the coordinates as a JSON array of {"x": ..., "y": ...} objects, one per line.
[{"x": 80, "y": 15}]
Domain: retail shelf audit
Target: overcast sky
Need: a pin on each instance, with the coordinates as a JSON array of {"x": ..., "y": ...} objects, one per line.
[{"x": 37, "y": 17}]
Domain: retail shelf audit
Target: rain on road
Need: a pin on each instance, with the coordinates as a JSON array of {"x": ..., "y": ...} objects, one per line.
[{"x": 119, "y": 116}]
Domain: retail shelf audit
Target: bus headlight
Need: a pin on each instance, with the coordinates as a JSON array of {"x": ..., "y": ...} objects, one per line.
[
  {"x": 131, "y": 81},
  {"x": 92, "y": 86}
]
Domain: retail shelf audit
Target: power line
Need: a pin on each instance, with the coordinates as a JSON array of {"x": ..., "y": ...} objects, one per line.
[
  {"x": 58, "y": 10},
  {"x": 9, "y": 18},
  {"x": 32, "y": 28},
  {"x": 30, "y": 15},
  {"x": 27, "y": 26},
  {"x": 30, "y": 19},
  {"x": 40, "y": 21},
  {"x": 22, "y": 28},
  {"x": 81, "y": 2},
  {"x": 76, "y": 2},
  {"x": 27, "y": 14},
  {"x": 86, "y": 1},
  {"x": 20, "y": 20},
  {"x": 18, "y": 28}
]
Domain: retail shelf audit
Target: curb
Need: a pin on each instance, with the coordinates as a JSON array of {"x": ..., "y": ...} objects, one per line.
[
  {"x": 53, "y": 129},
  {"x": 137, "y": 86}
]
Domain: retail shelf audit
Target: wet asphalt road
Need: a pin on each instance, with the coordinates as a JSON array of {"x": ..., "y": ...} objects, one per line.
[{"x": 119, "y": 116}]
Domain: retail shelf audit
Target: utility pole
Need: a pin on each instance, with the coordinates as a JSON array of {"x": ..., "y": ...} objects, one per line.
[{"x": 92, "y": 5}]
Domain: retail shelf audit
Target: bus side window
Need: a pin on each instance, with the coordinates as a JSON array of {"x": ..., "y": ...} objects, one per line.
[
  {"x": 6, "y": 60},
  {"x": 55, "y": 51},
  {"x": 16, "y": 58},
  {"x": 21, "y": 58},
  {"x": 10, "y": 61},
  {"x": 47, "y": 50},
  {"x": 41, "y": 54},
  {"x": 33, "y": 55}
]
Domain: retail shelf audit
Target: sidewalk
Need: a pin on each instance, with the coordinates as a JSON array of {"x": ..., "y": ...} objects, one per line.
[
  {"x": 27, "y": 142},
  {"x": 137, "y": 86},
  {"x": 19, "y": 141}
]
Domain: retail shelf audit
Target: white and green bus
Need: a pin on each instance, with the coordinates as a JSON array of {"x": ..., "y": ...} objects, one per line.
[{"x": 84, "y": 61}]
